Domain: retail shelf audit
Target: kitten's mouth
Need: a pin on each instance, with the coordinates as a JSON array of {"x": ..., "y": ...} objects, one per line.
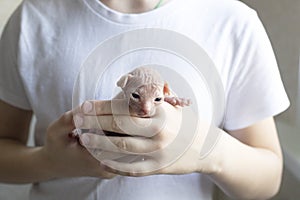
[{"x": 145, "y": 116}]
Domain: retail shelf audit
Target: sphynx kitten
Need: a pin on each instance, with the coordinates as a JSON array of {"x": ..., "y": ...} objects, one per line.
[{"x": 145, "y": 89}]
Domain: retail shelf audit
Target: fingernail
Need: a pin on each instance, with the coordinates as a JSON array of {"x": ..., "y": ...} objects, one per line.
[
  {"x": 85, "y": 139},
  {"x": 78, "y": 120},
  {"x": 87, "y": 107}
]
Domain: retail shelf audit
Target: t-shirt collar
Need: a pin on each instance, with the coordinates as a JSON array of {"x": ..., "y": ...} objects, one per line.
[{"x": 112, "y": 15}]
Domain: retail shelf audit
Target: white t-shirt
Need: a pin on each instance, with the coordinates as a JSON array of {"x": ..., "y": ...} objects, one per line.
[{"x": 46, "y": 41}]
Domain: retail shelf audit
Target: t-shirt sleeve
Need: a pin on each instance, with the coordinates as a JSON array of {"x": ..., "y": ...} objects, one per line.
[
  {"x": 12, "y": 89},
  {"x": 257, "y": 91}
]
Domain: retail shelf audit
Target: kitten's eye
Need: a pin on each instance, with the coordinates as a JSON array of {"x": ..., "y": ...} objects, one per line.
[
  {"x": 157, "y": 99},
  {"x": 136, "y": 96}
]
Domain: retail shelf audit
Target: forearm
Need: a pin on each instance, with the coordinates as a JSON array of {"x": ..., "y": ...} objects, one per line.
[
  {"x": 22, "y": 164},
  {"x": 245, "y": 172}
]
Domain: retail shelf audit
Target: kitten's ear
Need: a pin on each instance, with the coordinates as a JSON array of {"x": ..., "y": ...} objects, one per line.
[
  {"x": 166, "y": 89},
  {"x": 122, "y": 82}
]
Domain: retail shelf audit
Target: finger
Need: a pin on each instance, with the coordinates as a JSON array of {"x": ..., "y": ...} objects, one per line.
[
  {"x": 147, "y": 127},
  {"x": 141, "y": 167},
  {"x": 85, "y": 115},
  {"x": 105, "y": 122},
  {"x": 107, "y": 107},
  {"x": 106, "y": 155},
  {"x": 98, "y": 143},
  {"x": 65, "y": 123},
  {"x": 134, "y": 126},
  {"x": 119, "y": 144}
]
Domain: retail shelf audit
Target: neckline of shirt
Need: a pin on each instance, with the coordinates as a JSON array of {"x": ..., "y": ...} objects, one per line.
[{"x": 131, "y": 18}]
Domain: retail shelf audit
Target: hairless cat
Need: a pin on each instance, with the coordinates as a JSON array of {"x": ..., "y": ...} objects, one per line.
[{"x": 145, "y": 89}]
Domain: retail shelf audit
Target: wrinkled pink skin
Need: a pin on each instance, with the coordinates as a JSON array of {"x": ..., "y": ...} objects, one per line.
[{"x": 145, "y": 90}]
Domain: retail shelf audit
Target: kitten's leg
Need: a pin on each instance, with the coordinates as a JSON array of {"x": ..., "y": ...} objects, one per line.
[{"x": 176, "y": 101}]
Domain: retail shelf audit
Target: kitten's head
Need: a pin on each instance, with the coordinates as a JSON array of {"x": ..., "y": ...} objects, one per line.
[{"x": 145, "y": 89}]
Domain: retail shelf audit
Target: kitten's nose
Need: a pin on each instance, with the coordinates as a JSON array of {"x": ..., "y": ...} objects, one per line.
[{"x": 146, "y": 109}]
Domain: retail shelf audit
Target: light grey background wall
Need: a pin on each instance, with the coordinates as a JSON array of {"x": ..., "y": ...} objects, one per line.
[
  {"x": 6, "y": 8},
  {"x": 281, "y": 19}
]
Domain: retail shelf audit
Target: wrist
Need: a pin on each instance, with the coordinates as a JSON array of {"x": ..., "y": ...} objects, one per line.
[
  {"x": 212, "y": 152},
  {"x": 46, "y": 166}
]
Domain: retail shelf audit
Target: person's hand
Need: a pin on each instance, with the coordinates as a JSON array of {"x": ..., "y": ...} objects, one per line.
[
  {"x": 169, "y": 142},
  {"x": 65, "y": 156}
]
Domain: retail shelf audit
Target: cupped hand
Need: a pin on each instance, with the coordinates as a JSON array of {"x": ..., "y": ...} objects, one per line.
[
  {"x": 65, "y": 156},
  {"x": 170, "y": 142}
]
